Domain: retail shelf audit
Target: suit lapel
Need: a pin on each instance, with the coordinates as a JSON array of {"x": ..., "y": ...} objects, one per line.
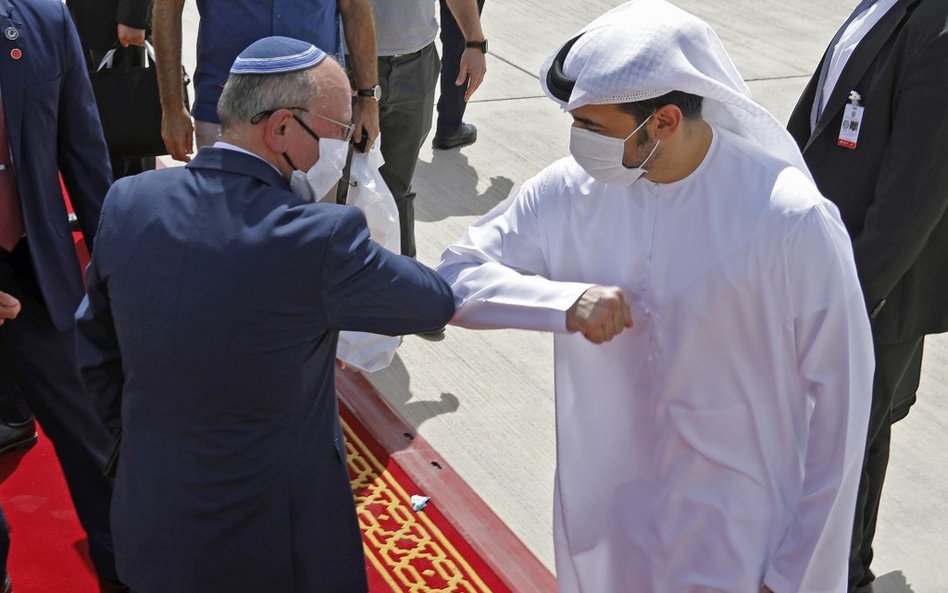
[
  {"x": 12, "y": 75},
  {"x": 864, "y": 55}
]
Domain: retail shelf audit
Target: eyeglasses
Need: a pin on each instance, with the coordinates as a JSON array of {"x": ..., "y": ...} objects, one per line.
[{"x": 347, "y": 128}]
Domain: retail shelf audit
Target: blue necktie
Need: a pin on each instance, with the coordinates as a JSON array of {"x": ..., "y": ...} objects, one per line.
[{"x": 824, "y": 71}]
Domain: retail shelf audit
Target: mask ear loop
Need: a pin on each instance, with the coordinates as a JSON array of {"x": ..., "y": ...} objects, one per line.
[{"x": 561, "y": 86}]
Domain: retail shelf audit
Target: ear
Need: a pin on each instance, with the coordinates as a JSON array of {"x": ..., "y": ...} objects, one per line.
[
  {"x": 667, "y": 121},
  {"x": 275, "y": 131}
]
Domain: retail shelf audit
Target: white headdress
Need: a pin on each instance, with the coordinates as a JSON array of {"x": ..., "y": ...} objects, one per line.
[{"x": 646, "y": 48}]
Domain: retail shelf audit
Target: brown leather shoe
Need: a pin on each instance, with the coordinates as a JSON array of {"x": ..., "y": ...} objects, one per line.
[{"x": 17, "y": 436}]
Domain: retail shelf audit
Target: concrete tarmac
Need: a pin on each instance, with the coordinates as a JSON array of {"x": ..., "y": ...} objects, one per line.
[{"x": 484, "y": 400}]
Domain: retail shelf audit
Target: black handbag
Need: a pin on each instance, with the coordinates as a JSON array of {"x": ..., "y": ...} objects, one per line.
[{"x": 129, "y": 105}]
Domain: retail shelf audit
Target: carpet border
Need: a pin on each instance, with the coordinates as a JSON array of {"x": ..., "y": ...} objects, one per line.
[{"x": 490, "y": 537}]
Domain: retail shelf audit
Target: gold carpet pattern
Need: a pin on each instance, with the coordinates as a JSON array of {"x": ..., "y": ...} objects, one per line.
[{"x": 406, "y": 547}]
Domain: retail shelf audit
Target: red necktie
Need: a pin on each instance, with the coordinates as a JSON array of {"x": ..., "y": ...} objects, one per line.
[{"x": 11, "y": 217}]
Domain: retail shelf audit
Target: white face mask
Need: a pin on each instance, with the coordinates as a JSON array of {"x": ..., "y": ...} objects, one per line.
[
  {"x": 601, "y": 156},
  {"x": 315, "y": 183}
]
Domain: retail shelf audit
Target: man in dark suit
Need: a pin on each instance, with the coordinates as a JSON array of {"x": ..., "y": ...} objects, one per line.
[
  {"x": 215, "y": 298},
  {"x": 50, "y": 125},
  {"x": 876, "y": 143}
]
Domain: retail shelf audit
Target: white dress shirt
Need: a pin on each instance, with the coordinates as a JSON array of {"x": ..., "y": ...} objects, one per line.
[{"x": 847, "y": 44}]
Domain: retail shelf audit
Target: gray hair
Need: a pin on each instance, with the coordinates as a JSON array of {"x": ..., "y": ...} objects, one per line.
[{"x": 246, "y": 95}]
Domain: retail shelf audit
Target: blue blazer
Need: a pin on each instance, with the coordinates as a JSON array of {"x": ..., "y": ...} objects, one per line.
[
  {"x": 215, "y": 298},
  {"x": 53, "y": 126}
]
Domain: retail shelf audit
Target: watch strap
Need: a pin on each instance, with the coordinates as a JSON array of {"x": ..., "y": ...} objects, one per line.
[{"x": 481, "y": 45}]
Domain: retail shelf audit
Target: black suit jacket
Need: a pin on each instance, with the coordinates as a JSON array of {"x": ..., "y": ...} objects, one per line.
[
  {"x": 892, "y": 189},
  {"x": 97, "y": 20}
]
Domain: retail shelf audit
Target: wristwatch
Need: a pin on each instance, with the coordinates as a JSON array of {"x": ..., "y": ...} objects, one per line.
[
  {"x": 481, "y": 45},
  {"x": 374, "y": 92}
]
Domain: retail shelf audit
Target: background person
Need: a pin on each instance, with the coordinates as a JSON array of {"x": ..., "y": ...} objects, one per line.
[
  {"x": 451, "y": 131},
  {"x": 109, "y": 24},
  {"x": 50, "y": 125},
  {"x": 226, "y": 28},
  {"x": 891, "y": 187}
]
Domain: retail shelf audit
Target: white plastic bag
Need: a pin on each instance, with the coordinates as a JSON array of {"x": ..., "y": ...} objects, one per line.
[{"x": 368, "y": 193}]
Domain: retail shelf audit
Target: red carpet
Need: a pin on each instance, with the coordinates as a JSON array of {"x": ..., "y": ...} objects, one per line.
[
  {"x": 405, "y": 551},
  {"x": 48, "y": 546}
]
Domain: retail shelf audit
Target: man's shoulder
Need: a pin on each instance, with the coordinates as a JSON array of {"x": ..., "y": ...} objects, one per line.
[
  {"x": 40, "y": 12},
  {"x": 929, "y": 19},
  {"x": 761, "y": 185},
  {"x": 144, "y": 189}
]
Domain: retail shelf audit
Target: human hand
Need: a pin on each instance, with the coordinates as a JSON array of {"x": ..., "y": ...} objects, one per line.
[
  {"x": 600, "y": 314},
  {"x": 766, "y": 590},
  {"x": 130, "y": 36},
  {"x": 473, "y": 68},
  {"x": 9, "y": 307},
  {"x": 365, "y": 118},
  {"x": 178, "y": 133}
]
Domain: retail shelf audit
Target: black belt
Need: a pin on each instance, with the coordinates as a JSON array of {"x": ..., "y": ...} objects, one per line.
[{"x": 401, "y": 57}]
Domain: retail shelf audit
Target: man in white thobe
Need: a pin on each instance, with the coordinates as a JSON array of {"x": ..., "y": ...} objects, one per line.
[{"x": 712, "y": 348}]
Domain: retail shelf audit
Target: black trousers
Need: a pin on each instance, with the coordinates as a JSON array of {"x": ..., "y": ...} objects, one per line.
[
  {"x": 42, "y": 362},
  {"x": 898, "y": 371},
  {"x": 451, "y": 104}
]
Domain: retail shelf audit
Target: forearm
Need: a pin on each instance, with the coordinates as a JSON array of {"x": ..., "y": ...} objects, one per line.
[
  {"x": 490, "y": 295},
  {"x": 468, "y": 19},
  {"x": 359, "y": 24},
  {"x": 166, "y": 19},
  {"x": 97, "y": 350}
]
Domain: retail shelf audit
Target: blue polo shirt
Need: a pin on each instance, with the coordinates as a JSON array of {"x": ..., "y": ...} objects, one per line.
[{"x": 227, "y": 27}]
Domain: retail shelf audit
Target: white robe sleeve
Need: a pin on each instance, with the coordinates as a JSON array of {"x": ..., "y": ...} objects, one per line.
[
  {"x": 499, "y": 274},
  {"x": 835, "y": 357}
]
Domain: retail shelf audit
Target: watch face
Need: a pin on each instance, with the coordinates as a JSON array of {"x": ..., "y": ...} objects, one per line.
[{"x": 374, "y": 92}]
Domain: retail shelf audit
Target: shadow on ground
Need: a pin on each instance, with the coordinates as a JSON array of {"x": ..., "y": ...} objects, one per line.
[
  {"x": 892, "y": 582},
  {"x": 447, "y": 186},
  {"x": 398, "y": 393}
]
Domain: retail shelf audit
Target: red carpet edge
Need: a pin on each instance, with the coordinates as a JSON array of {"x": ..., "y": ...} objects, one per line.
[{"x": 487, "y": 535}]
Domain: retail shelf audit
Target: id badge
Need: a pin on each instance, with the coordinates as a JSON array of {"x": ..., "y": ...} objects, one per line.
[{"x": 849, "y": 130}]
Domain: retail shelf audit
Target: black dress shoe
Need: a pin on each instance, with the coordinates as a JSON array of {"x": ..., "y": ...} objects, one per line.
[
  {"x": 6, "y": 587},
  {"x": 17, "y": 436},
  {"x": 107, "y": 586},
  {"x": 466, "y": 134},
  {"x": 435, "y": 335}
]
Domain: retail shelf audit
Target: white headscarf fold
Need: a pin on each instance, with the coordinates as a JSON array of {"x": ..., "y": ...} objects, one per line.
[{"x": 646, "y": 48}]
